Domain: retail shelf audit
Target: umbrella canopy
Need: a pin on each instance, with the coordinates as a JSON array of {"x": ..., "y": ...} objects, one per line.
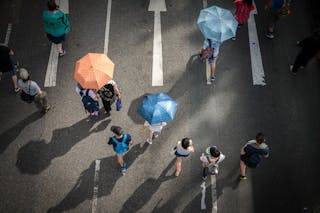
[
  {"x": 156, "y": 108},
  {"x": 217, "y": 23},
  {"x": 93, "y": 71}
]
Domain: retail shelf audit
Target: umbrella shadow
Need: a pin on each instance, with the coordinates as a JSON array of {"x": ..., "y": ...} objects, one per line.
[
  {"x": 139, "y": 197},
  {"x": 108, "y": 176},
  {"x": 36, "y": 156},
  {"x": 10, "y": 135},
  {"x": 133, "y": 108}
]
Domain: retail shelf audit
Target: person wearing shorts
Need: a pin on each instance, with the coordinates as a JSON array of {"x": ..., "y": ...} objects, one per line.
[
  {"x": 183, "y": 150},
  {"x": 56, "y": 25},
  {"x": 210, "y": 161},
  {"x": 6, "y": 65},
  {"x": 211, "y": 50},
  {"x": 154, "y": 130},
  {"x": 120, "y": 142}
]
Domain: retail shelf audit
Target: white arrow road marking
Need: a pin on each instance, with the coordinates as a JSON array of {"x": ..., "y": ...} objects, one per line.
[
  {"x": 51, "y": 74},
  {"x": 255, "y": 53},
  {"x": 7, "y": 38},
  {"x": 214, "y": 194},
  {"x": 95, "y": 186},
  {"x": 203, "y": 195},
  {"x": 157, "y": 69},
  {"x": 106, "y": 39}
]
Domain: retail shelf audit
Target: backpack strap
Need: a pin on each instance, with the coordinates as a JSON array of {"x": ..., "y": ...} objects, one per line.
[{"x": 123, "y": 139}]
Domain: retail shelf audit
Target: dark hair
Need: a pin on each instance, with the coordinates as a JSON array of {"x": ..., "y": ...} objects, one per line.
[
  {"x": 248, "y": 2},
  {"x": 117, "y": 130},
  {"x": 214, "y": 152},
  {"x": 185, "y": 142},
  {"x": 52, "y": 5},
  {"x": 260, "y": 138}
]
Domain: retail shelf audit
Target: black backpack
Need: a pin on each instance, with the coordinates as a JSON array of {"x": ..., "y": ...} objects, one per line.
[{"x": 107, "y": 92}]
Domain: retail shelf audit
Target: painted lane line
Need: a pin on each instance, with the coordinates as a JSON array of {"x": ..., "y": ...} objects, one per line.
[
  {"x": 214, "y": 194},
  {"x": 51, "y": 74},
  {"x": 255, "y": 53},
  {"x": 7, "y": 38},
  {"x": 52, "y": 68},
  {"x": 106, "y": 39},
  {"x": 157, "y": 6},
  {"x": 203, "y": 195},
  {"x": 95, "y": 186}
]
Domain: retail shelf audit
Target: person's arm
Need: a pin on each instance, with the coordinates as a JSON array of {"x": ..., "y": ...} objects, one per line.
[
  {"x": 117, "y": 91},
  {"x": 11, "y": 52},
  {"x": 129, "y": 139},
  {"x": 39, "y": 92},
  {"x": 242, "y": 152},
  {"x": 191, "y": 148}
]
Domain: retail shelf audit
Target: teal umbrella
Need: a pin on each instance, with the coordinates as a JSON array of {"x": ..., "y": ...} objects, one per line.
[{"x": 217, "y": 24}]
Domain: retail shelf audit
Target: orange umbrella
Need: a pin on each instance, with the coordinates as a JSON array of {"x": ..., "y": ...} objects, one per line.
[{"x": 93, "y": 71}]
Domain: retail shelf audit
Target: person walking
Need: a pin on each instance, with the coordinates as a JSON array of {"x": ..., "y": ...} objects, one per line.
[
  {"x": 243, "y": 9},
  {"x": 154, "y": 130},
  {"x": 183, "y": 150},
  {"x": 252, "y": 153},
  {"x": 90, "y": 100},
  {"x": 275, "y": 10},
  {"x": 108, "y": 94},
  {"x": 31, "y": 92},
  {"x": 120, "y": 142},
  {"x": 310, "y": 46},
  {"x": 56, "y": 25},
  {"x": 210, "y": 51},
  {"x": 6, "y": 65},
  {"x": 210, "y": 161}
]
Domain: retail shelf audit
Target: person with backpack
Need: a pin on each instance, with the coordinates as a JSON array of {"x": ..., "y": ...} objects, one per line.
[
  {"x": 120, "y": 142},
  {"x": 276, "y": 9},
  {"x": 310, "y": 46},
  {"x": 108, "y": 94},
  {"x": 31, "y": 92},
  {"x": 210, "y": 51},
  {"x": 6, "y": 65},
  {"x": 182, "y": 150},
  {"x": 89, "y": 99},
  {"x": 243, "y": 9},
  {"x": 154, "y": 130},
  {"x": 56, "y": 25},
  {"x": 210, "y": 161},
  {"x": 252, "y": 153}
]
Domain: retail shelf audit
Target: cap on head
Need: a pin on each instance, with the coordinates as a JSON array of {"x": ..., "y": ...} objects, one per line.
[{"x": 24, "y": 74}]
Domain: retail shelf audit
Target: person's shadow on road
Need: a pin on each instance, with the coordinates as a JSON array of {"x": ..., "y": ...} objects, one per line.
[
  {"x": 108, "y": 176},
  {"x": 11, "y": 134},
  {"x": 145, "y": 191},
  {"x": 36, "y": 156}
]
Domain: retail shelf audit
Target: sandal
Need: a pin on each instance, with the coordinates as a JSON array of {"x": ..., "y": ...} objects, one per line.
[{"x": 17, "y": 89}]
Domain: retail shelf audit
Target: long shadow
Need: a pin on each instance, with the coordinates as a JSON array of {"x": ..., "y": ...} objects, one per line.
[
  {"x": 108, "y": 176},
  {"x": 36, "y": 156},
  {"x": 144, "y": 192},
  {"x": 10, "y": 135},
  {"x": 132, "y": 111}
]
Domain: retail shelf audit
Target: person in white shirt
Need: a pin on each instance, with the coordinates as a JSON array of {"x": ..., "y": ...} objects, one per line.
[
  {"x": 154, "y": 130},
  {"x": 210, "y": 161},
  {"x": 183, "y": 150}
]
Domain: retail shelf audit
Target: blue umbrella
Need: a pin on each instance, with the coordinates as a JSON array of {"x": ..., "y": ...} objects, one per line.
[
  {"x": 217, "y": 24},
  {"x": 156, "y": 108}
]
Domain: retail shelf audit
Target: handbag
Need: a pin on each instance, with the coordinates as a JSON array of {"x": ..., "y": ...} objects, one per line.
[
  {"x": 26, "y": 97},
  {"x": 119, "y": 104}
]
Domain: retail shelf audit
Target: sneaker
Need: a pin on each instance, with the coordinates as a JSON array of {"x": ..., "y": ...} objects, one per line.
[
  {"x": 243, "y": 177},
  {"x": 149, "y": 141},
  {"x": 177, "y": 174},
  {"x": 293, "y": 73},
  {"x": 213, "y": 78},
  {"x": 123, "y": 170},
  {"x": 62, "y": 53},
  {"x": 234, "y": 38},
  {"x": 204, "y": 178},
  {"x": 269, "y": 35},
  {"x": 16, "y": 90}
]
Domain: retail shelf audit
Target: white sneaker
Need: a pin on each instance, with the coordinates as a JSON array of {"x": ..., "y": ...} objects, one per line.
[{"x": 149, "y": 141}]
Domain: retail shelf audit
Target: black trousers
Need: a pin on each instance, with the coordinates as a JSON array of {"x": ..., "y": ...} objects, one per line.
[
  {"x": 107, "y": 105},
  {"x": 301, "y": 60}
]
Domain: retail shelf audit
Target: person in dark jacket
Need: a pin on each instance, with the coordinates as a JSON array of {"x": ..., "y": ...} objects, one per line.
[
  {"x": 252, "y": 153},
  {"x": 6, "y": 65},
  {"x": 108, "y": 94},
  {"x": 310, "y": 47}
]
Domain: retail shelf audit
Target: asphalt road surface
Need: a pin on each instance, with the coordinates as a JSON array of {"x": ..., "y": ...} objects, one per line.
[{"x": 53, "y": 162}]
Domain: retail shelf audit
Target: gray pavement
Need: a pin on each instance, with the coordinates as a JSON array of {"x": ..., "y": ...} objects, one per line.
[{"x": 48, "y": 162}]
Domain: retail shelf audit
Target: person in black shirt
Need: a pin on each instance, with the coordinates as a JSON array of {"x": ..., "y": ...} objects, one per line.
[
  {"x": 310, "y": 47},
  {"x": 6, "y": 65}
]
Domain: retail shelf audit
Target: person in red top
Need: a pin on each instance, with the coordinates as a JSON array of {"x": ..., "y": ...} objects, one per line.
[{"x": 243, "y": 9}]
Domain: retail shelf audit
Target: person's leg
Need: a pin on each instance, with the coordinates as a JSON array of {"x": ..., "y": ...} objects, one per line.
[
  {"x": 59, "y": 46},
  {"x": 213, "y": 68},
  {"x": 150, "y": 136},
  {"x": 272, "y": 19},
  {"x": 300, "y": 62},
  {"x": 204, "y": 172},
  {"x": 120, "y": 160},
  {"x": 15, "y": 83},
  {"x": 178, "y": 166},
  {"x": 37, "y": 102},
  {"x": 242, "y": 169}
]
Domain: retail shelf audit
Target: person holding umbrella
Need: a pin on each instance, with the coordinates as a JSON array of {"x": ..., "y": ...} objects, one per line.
[
  {"x": 210, "y": 51},
  {"x": 108, "y": 94},
  {"x": 154, "y": 130}
]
